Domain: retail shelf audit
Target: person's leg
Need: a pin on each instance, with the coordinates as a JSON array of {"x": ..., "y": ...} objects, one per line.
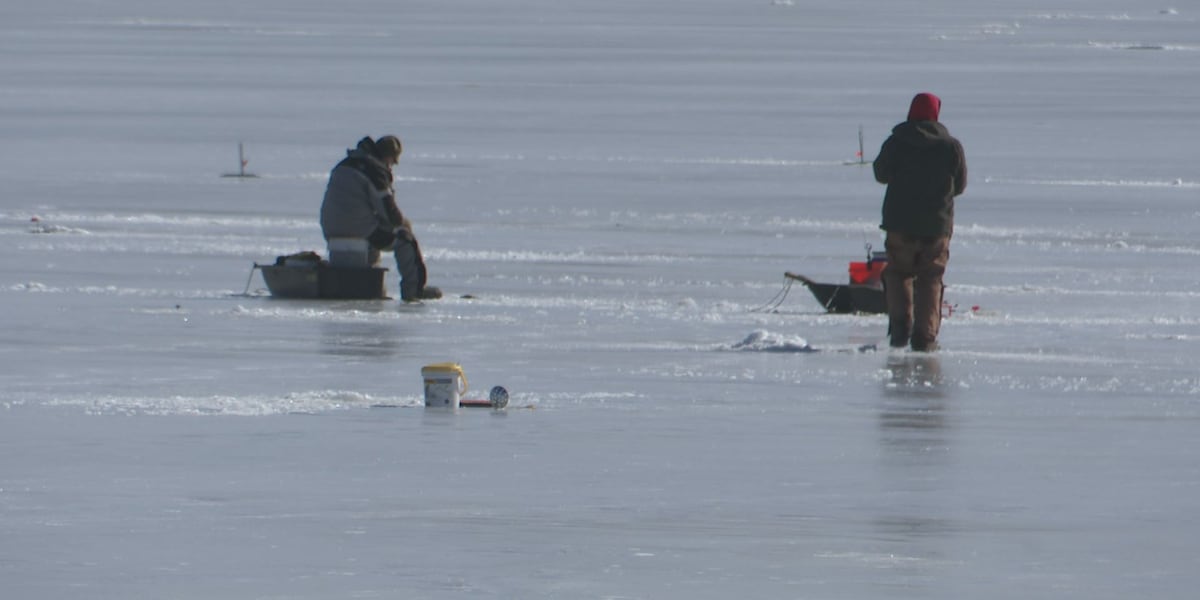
[
  {"x": 410, "y": 268},
  {"x": 927, "y": 292},
  {"x": 897, "y": 283},
  {"x": 422, "y": 275},
  {"x": 411, "y": 265}
]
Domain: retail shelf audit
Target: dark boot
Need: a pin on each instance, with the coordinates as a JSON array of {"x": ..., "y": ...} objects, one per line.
[
  {"x": 897, "y": 333},
  {"x": 897, "y": 289}
]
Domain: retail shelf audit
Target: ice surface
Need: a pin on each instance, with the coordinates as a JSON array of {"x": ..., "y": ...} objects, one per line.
[{"x": 608, "y": 192}]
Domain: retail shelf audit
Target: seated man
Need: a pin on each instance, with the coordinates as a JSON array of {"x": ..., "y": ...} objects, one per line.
[{"x": 361, "y": 203}]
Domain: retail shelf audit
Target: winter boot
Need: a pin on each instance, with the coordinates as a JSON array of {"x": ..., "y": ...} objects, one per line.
[{"x": 897, "y": 333}]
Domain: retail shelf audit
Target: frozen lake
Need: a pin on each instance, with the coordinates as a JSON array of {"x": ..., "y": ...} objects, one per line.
[{"x": 610, "y": 194}]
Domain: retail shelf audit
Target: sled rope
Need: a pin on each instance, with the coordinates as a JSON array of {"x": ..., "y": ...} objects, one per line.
[{"x": 778, "y": 299}]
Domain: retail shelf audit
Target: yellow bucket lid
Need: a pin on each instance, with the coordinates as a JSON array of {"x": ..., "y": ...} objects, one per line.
[{"x": 447, "y": 367}]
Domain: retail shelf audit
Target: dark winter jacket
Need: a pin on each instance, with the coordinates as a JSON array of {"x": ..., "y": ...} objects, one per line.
[
  {"x": 924, "y": 168},
  {"x": 359, "y": 200}
]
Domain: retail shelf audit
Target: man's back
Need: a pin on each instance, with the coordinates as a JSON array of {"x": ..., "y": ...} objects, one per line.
[
  {"x": 925, "y": 168},
  {"x": 349, "y": 208}
]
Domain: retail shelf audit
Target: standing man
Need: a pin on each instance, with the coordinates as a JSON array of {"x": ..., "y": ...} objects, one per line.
[
  {"x": 360, "y": 202},
  {"x": 924, "y": 168}
]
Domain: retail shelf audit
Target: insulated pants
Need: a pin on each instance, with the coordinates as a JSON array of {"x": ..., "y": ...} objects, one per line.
[
  {"x": 409, "y": 264},
  {"x": 913, "y": 285}
]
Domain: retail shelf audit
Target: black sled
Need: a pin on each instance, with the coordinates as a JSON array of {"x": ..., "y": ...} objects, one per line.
[{"x": 863, "y": 294}]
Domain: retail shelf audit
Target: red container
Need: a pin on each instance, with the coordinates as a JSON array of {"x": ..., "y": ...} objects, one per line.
[{"x": 866, "y": 273}]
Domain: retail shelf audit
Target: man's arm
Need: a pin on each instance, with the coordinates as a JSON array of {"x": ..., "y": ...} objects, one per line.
[
  {"x": 960, "y": 177},
  {"x": 882, "y": 164}
]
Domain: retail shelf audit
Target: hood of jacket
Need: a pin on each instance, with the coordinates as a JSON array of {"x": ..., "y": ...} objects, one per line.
[
  {"x": 363, "y": 160},
  {"x": 921, "y": 134}
]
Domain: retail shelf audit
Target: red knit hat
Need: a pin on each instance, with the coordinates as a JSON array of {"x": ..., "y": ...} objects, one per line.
[{"x": 925, "y": 107}]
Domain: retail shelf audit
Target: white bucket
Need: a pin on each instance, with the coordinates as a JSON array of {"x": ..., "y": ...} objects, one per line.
[
  {"x": 445, "y": 383},
  {"x": 352, "y": 253}
]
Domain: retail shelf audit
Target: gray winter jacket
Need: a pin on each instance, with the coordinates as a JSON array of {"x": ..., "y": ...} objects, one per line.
[{"x": 354, "y": 206}]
